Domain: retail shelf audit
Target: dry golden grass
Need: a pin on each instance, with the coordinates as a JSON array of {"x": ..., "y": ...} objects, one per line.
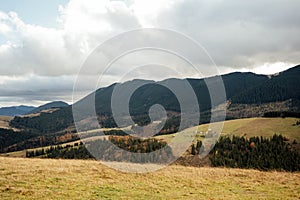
[
  {"x": 251, "y": 127},
  {"x": 78, "y": 179},
  {"x": 266, "y": 127},
  {"x": 50, "y": 110},
  {"x": 4, "y": 122}
]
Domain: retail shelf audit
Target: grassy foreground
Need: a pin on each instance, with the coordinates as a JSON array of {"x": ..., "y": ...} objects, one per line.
[{"x": 78, "y": 179}]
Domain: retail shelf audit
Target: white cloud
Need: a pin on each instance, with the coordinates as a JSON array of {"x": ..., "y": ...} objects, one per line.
[
  {"x": 88, "y": 23},
  {"x": 34, "y": 49},
  {"x": 48, "y": 51},
  {"x": 4, "y": 27},
  {"x": 150, "y": 12},
  {"x": 272, "y": 68}
]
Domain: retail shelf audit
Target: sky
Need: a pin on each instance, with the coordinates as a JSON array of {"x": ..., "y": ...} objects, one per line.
[{"x": 43, "y": 44}]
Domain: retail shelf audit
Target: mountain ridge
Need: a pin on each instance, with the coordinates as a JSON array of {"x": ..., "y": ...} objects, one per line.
[{"x": 239, "y": 90}]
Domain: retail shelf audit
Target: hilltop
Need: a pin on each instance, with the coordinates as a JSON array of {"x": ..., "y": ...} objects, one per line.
[{"x": 54, "y": 104}]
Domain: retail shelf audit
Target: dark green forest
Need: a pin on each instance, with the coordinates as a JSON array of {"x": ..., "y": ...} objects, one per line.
[
  {"x": 282, "y": 114},
  {"x": 278, "y": 88},
  {"x": 261, "y": 153},
  {"x": 10, "y": 137},
  {"x": 45, "y": 122}
]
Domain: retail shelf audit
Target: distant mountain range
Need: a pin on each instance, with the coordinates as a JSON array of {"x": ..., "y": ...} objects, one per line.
[
  {"x": 15, "y": 110},
  {"x": 25, "y": 110}
]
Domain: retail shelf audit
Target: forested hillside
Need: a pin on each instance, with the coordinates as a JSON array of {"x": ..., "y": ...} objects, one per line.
[{"x": 278, "y": 88}]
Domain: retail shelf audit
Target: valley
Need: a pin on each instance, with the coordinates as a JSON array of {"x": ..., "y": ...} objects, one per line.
[{"x": 248, "y": 127}]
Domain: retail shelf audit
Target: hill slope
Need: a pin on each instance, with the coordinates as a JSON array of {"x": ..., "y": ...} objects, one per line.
[
  {"x": 252, "y": 127},
  {"x": 281, "y": 87},
  {"x": 266, "y": 127},
  {"x": 74, "y": 179}
]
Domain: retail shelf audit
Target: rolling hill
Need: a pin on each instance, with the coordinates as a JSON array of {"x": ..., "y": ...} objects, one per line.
[
  {"x": 248, "y": 127},
  {"x": 54, "y": 104},
  {"x": 252, "y": 127},
  {"x": 265, "y": 127}
]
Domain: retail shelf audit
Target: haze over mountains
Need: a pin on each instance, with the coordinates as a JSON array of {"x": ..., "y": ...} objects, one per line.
[
  {"x": 25, "y": 110},
  {"x": 15, "y": 110}
]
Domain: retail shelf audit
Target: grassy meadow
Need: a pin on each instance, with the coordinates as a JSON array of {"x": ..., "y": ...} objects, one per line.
[
  {"x": 22, "y": 178},
  {"x": 251, "y": 127}
]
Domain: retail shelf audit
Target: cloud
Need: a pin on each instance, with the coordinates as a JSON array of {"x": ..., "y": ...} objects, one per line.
[
  {"x": 34, "y": 49},
  {"x": 36, "y": 88},
  {"x": 4, "y": 27},
  {"x": 54, "y": 52},
  {"x": 237, "y": 33},
  {"x": 255, "y": 35}
]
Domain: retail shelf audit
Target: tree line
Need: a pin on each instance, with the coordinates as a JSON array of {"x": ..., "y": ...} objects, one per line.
[
  {"x": 275, "y": 153},
  {"x": 103, "y": 149},
  {"x": 282, "y": 114}
]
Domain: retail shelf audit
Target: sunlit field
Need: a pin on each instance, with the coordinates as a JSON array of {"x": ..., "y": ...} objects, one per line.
[{"x": 78, "y": 179}]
